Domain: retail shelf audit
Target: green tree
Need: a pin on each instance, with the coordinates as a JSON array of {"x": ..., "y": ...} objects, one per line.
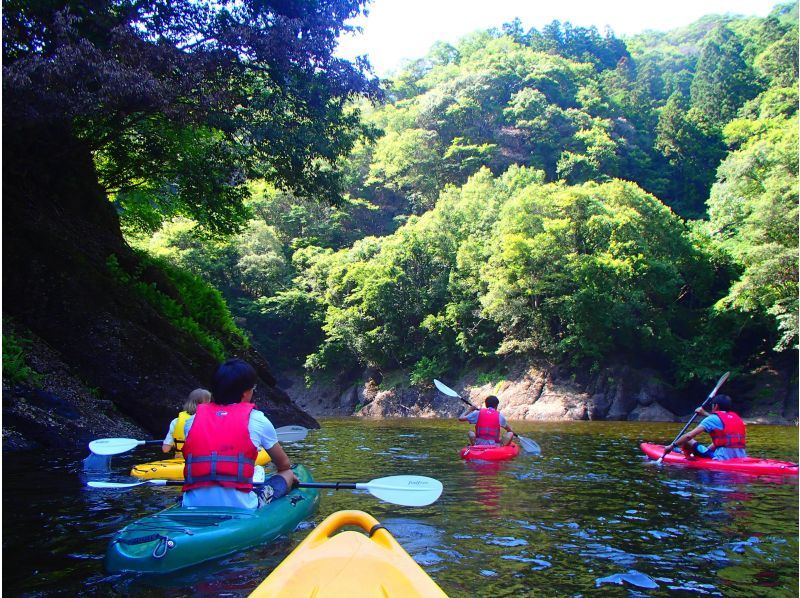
[
  {"x": 693, "y": 151},
  {"x": 723, "y": 81},
  {"x": 753, "y": 213},
  {"x": 181, "y": 101}
]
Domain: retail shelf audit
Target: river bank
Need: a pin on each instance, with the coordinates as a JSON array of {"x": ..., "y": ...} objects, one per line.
[
  {"x": 542, "y": 392},
  {"x": 61, "y": 410}
]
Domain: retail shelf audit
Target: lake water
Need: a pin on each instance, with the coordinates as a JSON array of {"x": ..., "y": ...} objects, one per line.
[{"x": 587, "y": 517}]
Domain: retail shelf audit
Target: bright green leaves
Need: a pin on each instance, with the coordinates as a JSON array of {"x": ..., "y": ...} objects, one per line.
[
  {"x": 754, "y": 214},
  {"x": 586, "y": 271}
]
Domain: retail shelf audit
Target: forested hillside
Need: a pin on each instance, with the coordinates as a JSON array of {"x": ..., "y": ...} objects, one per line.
[{"x": 558, "y": 193}]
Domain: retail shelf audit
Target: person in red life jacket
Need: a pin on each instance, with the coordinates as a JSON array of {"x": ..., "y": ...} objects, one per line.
[
  {"x": 488, "y": 422},
  {"x": 222, "y": 442},
  {"x": 727, "y": 431}
]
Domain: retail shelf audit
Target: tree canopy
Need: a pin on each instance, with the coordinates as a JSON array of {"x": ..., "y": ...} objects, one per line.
[{"x": 182, "y": 101}]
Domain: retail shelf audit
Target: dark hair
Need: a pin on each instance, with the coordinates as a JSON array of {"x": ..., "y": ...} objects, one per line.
[
  {"x": 231, "y": 379},
  {"x": 723, "y": 402},
  {"x": 492, "y": 402}
]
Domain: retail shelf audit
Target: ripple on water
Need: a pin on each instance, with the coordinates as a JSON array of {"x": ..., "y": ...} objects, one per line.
[
  {"x": 603, "y": 551},
  {"x": 539, "y": 562},
  {"x": 507, "y": 541},
  {"x": 632, "y": 577}
]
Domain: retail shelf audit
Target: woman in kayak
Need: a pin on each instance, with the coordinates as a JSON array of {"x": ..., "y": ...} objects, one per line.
[
  {"x": 176, "y": 435},
  {"x": 222, "y": 442},
  {"x": 487, "y": 422},
  {"x": 727, "y": 430}
]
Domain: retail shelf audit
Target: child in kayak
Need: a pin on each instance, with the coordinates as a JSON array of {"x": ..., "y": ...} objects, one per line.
[
  {"x": 487, "y": 422},
  {"x": 727, "y": 430},
  {"x": 175, "y": 436},
  {"x": 222, "y": 442}
]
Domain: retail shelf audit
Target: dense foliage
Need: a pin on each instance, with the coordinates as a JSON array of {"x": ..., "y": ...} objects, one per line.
[
  {"x": 183, "y": 101},
  {"x": 559, "y": 193}
]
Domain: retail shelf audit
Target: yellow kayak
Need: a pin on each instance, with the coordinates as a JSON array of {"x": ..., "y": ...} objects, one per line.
[
  {"x": 172, "y": 469},
  {"x": 348, "y": 564}
]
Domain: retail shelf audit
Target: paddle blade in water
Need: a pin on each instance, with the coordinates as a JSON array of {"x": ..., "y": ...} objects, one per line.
[
  {"x": 405, "y": 490},
  {"x": 118, "y": 485},
  {"x": 529, "y": 445},
  {"x": 291, "y": 433},
  {"x": 97, "y": 463},
  {"x": 113, "y": 446}
]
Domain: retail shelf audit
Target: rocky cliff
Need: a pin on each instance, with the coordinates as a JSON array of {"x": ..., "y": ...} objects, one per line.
[
  {"x": 109, "y": 362},
  {"x": 539, "y": 391}
]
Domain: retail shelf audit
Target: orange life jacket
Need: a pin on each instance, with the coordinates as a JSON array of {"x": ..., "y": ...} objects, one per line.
[
  {"x": 488, "y": 424},
  {"x": 218, "y": 450},
  {"x": 734, "y": 432}
]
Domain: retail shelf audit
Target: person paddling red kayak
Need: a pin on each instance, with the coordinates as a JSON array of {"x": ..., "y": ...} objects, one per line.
[
  {"x": 488, "y": 422},
  {"x": 727, "y": 430},
  {"x": 487, "y": 442}
]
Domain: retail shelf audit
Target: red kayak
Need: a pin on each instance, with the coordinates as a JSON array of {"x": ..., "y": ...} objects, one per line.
[
  {"x": 489, "y": 452},
  {"x": 746, "y": 465}
]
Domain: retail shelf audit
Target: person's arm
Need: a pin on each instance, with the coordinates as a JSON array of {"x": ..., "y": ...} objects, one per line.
[
  {"x": 281, "y": 461},
  {"x": 169, "y": 441},
  {"x": 262, "y": 433},
  {"x": 701, "y": 412},
  {"x": 465, "y": 416},
  {"x": 685, "y": 438},
  {"x": 505, "y": 425}
]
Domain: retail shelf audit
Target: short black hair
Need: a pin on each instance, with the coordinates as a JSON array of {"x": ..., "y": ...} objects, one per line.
[
  {"x": 231, "y": 379},
  {"x": 492, "y": 402},
  {"x": 723, "y": 402}
]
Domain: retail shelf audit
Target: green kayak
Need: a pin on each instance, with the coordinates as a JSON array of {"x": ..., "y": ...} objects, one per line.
[{"x": 180, "y": 537}]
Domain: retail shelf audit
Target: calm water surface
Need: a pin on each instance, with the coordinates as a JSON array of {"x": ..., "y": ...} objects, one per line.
[{"x": 587, "y": 517}]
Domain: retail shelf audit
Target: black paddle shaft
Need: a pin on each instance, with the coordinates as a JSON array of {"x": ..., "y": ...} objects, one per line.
[
  {"x": 334, "y": 485},
  {"x": 710, "y": 396},
  {"x": 468, "y": 402}
]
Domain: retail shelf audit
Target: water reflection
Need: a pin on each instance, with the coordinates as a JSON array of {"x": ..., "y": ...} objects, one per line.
[{"x": 588, "y": 516}]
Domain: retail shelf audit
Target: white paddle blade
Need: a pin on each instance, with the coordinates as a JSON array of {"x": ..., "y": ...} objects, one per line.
[
  {"x": 445, "y": 389},
  {"x": 529, "y": 445},
  {"x": 405, "y": 490},
  {"x": 113, "y": 446},
  {"x": 291, "y": 433},
  {"x": 116, "y": 485},
  {"x": 719, "y": 383}
]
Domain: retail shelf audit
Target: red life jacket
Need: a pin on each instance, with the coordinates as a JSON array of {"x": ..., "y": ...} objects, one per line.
[
  {"x": 488, "y": 424},
  {"x": 218, "y": 450},
  {"x": 733, "y": 433}
]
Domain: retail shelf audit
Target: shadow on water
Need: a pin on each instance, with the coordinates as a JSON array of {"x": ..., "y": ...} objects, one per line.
[{"x": 590, "y": 516}]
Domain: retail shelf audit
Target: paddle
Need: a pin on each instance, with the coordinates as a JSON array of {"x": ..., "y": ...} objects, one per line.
[
  {"x": 405, "y": 490},
  {"x": 528, "y": 445},
  {"x": 116, "y": 446},
  {"x": 710, "y": 396}
]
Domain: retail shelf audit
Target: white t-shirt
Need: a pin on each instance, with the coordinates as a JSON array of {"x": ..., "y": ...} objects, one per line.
[
  {"x": 169, "y": 438},
  {"x": 263, "y": 435}
]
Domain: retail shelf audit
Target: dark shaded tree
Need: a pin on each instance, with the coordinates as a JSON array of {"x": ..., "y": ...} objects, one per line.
[
  {"x": 160, "y": 89},
  {"x": 723, "y": 81}
]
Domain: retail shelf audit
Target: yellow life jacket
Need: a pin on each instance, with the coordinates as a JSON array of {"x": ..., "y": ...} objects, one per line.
[{"x": 178, "y": 435}]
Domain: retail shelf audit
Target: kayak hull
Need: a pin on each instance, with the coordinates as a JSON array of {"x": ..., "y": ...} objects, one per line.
[
  {"x": 180, "y": 537},
  {"x": 479, "y": 452},
  {"x": 747, "y": 465},
  {"x": 172, "y": 469},
  {"x": 348, "y": 563}
]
